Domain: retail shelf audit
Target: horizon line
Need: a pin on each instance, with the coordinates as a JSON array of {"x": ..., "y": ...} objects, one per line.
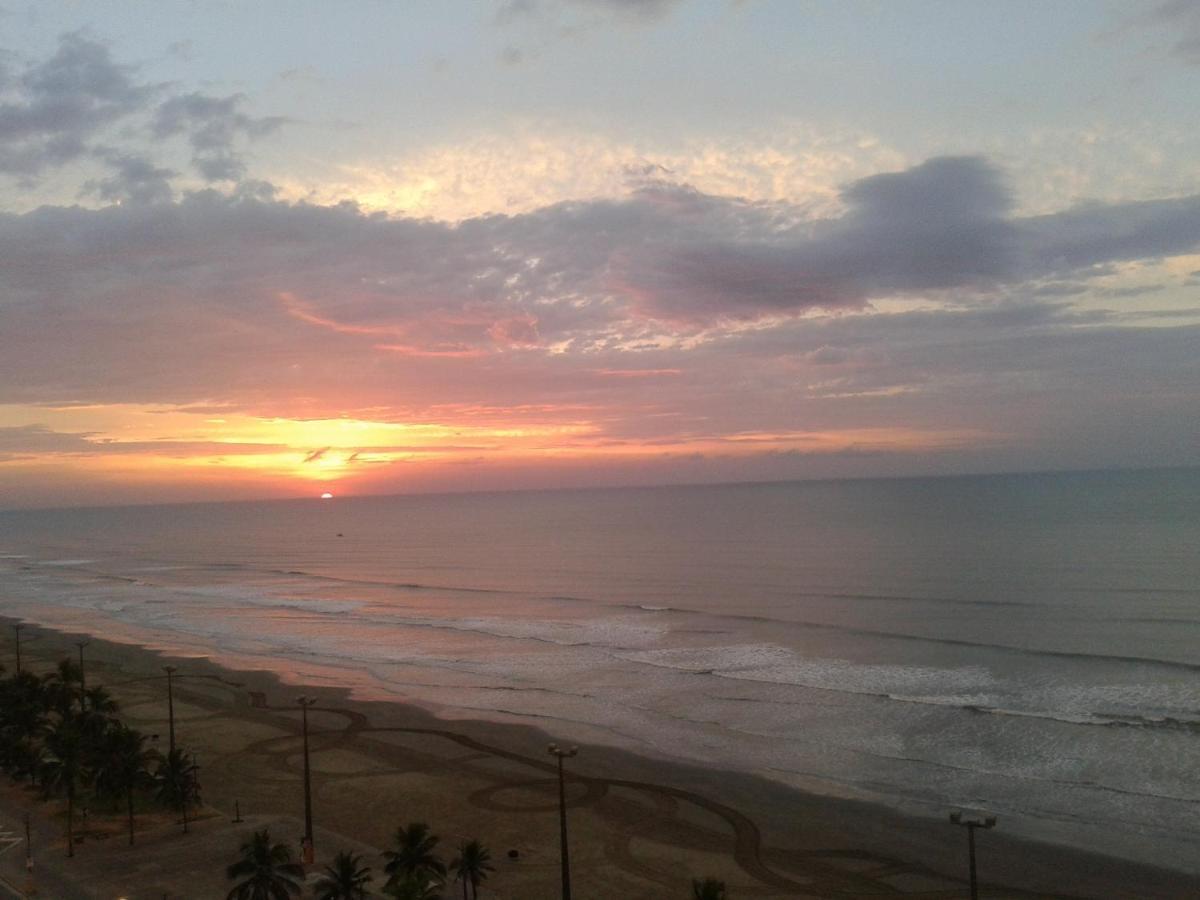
[{"x": 606, "y": 487}]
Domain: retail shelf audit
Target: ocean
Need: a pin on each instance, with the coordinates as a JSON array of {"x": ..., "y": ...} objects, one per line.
[{"x": 1024, "y": 644}]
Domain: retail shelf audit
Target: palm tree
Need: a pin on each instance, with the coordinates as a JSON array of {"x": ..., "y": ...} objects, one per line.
[
  {"x": 414, "y": 856},
  {"x": 177, "y": 784},
  {"x": 414, "y": 887},
  {"x": 708, "y": 889},
  {"x": 22, "y": 721},
  {"x": 63, "y": 687},
  {"x": 100, "y": 702},
  {"x": 267, "y": 871},
  {"x": 346, "y": 879},
  {"x": 62, "y": 767},
  {"x": 472, "y": 865},
  {"x": 123, "y": 766}
]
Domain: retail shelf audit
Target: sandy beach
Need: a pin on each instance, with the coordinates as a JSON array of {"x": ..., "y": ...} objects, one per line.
[{"x": 639, "y": 828}]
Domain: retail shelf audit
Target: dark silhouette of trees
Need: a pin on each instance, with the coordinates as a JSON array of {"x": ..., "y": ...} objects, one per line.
[
  {"x": 266, "y": 871},
  {"x": 178, "y": 787},
  {"x": 471, "y": 866},
  {"x": 345, "y": 879},
  {"x": 123, "y": 766},
  {"x": 63, "y": 769},
  {"x": 415, "y": 856},
  {"x": 708, "y": 889}
]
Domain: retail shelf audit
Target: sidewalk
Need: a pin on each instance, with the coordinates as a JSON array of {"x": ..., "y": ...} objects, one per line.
[
  {"x": 50, "y": 860},
  {"x": 164, "y": 864}
]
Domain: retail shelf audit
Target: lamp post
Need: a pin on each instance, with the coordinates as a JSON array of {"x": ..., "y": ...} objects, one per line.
[
  {"x": 17, "y": 631},
  {"x": 170, "y": 670},
  {"x": 557, "y": 752},
  {"x": 305, "y": 703},
  {"x": 82, "y": 677},
  {"x": 971, "y": 822},
  {"x": 29, "y": 885}
]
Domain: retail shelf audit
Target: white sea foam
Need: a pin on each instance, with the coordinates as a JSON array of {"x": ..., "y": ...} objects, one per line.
[
  {"x": 605, "y": 632},
  {"x": 781, "y": 665}
]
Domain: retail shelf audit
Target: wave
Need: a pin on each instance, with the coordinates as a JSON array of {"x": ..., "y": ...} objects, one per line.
[
  {"x": 697, "y": 617},
  {"x": 932, "y": 639},
  {"x": 396, "y": 585},
  {"x": 1102, "y": 719}
]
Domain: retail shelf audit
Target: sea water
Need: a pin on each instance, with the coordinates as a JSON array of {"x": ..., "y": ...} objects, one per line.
[{"x": 1024, "y": 644}]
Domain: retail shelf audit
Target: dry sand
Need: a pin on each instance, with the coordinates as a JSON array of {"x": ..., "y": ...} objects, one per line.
[{"x": 639, "y": 828}]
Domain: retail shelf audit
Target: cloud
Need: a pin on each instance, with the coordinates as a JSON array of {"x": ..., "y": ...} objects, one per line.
[
  {"x": 213, "y": 126},
  {"x": 54, "y": 108},
  {"x": 21, "y": 440},
  {"x": 531, "y": 168},
  {"x": 645, "y": 10},
  {"x": 18, "y": 442},
  {"x": 1182, "y": 18},
  {"x": 937, "y": 225},
  {"x": 669, "y": 315},
  {"x": 79, "y": 105},
  {"x": 134, "y": 179},
  {"x": 512, "y": 11}
]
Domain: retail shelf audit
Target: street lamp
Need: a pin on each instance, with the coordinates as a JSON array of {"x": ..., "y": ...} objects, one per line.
[
  {"x": 170, "y": 670},
  {"x": 82, "y": 678},
  {"x": 29, "y": 885},
  {"x": 555, "y": 751},
  {"x": 971, "y": 822},
  {"x": 305, "y": 703}
]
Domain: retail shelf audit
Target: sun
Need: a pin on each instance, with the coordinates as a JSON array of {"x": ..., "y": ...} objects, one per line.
[{"x": 327, "y": 496}]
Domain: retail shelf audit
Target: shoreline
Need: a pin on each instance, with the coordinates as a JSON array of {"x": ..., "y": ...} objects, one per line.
[{"x": 764, "y": 838}]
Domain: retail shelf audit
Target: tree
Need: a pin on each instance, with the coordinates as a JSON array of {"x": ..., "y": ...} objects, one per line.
[
  {"x": 123, "y": 766},
  {"x": 471, "y": 866},
  {"x": 178, "y": 787},
  {"x": 267, "y": 871},
  {"x": 708, "y": 889},
  {"x": 414, "y": 887},
  {"x": 63, "y": 687},
  {"x": 414, "y": 856},
  {"x": 346, "y": 879},
  {"x": 22, "y": 721},
  {"x": 99, "y": 702},
  {"x": 62, "y": 768}
]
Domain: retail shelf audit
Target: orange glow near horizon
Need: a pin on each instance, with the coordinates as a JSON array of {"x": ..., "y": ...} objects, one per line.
[{"x": 165, "y": 447}]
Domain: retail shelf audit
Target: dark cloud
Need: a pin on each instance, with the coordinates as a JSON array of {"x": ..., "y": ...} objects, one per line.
[
  {"x": 213, "y": 126},
  {"x": 134, "y": 179},
  {"x": 940, "y": 225},
  {"x": 1182, "y": 18},
  {"x": 1096, "y": 235},
  {"x": 640, "y": 9},
  {"x": 80, "y": 104},
  {"x": 20, "y": 441},
  {"x": 52, "y": 109}
]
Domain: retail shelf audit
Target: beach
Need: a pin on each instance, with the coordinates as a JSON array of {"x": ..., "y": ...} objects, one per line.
[{"x": 639, "y": 827}]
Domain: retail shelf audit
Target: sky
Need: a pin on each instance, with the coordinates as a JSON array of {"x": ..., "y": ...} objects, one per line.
[{"x": 283, "y": 248}]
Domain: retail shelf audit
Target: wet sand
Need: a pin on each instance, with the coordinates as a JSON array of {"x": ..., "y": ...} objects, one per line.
[{"x": 639, "y": 828}]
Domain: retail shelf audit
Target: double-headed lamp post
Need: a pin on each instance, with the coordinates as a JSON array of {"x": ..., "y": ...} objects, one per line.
[
  {"x": 971, "y": 821},
  {"x": 170, "y": 670},
  {"x": 309, "y": 855},
  {"x": 561, "y": 754}
]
